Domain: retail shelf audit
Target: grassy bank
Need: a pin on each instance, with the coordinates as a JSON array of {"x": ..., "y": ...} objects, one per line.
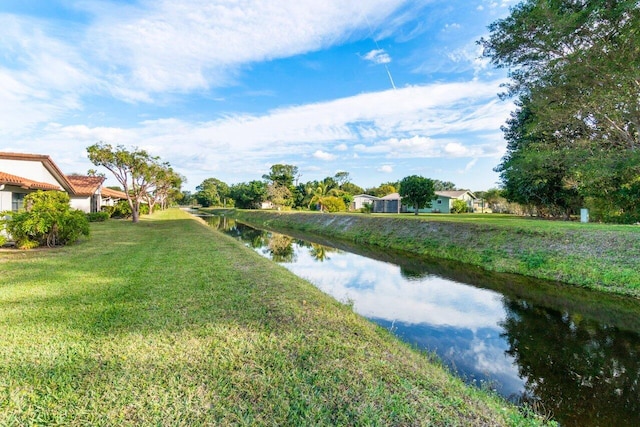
[
  {"x": 169, "y": 323},
  {"x": 597, "y": 256}
]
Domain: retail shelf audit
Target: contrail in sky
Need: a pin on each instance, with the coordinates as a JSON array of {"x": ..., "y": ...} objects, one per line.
[{"x": 393, "y": 85}]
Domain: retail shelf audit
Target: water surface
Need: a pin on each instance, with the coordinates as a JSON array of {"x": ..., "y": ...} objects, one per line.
[{"x": 572, "y": 354}]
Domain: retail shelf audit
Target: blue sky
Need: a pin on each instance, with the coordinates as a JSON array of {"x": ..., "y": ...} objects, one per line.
[{"x": 381, "y": 89}]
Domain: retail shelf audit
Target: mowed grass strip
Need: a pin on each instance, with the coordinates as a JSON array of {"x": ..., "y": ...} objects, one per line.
[{"x": 168, "y": 322}]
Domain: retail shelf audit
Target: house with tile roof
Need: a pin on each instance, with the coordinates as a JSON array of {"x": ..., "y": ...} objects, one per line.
[
  {"x": 21, "y": 174},
  {"x": 443, "y": 203},
  {"x": 110, "y": 196}
]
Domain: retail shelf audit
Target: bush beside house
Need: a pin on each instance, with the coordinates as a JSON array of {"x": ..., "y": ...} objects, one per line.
[{"x": 46, "y": 220}]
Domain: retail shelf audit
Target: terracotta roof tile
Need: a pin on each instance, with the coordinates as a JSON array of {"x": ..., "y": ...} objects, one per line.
[
  {"x": 85, "y": 185},
  {"x": 114, "y": 194},
  {"x": 27, "y": 184}
]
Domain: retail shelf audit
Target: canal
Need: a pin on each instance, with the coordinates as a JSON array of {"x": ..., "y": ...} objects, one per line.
[{"x": 571, "y": 354}]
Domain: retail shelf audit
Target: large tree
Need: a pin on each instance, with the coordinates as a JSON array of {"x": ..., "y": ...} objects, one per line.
[
  {"x": 134, "y": 169},
  {"x": 211, "y": 192},
  {"x": 248, "y": 195},
  {"x": 168, "y": 185},
  {"x": 417, "y": 191},
  {"x": 281, "y": 174},
  {"x": 574, "y": 65},
  {"x": 280, "y": 184},
  {"x": 536, "y": 170}
]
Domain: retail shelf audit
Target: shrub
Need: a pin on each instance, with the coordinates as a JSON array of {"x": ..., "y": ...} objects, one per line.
[
  {"x": 47, "y": 220},
  {"x": 120, "y": 210},
  {"x": 367, "y": 208},
  {"x": 333, "y": 204},
  {"x": 98, "y": 216},
  {"x": 459, "y": 206},
  {"x": 4, "y": 237}
]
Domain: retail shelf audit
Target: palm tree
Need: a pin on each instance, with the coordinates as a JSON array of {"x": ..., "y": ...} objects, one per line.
[{"x": 322, "y": 190}]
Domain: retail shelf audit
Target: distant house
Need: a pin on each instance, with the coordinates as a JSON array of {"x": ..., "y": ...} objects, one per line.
[
  {"x": 110, "y": 197},
  {"x": 267, "y": 205},
  {"x": 86, "y": 194},
  {"x": 443, "y": 203},
  {"x": 391, "y": 203},
  {"x": 21, "y": 174},
  {"x": 362, "y": 200}
]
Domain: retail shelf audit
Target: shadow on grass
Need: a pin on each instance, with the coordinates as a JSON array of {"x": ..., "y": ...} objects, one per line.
[{"x": 156, "y": 276}]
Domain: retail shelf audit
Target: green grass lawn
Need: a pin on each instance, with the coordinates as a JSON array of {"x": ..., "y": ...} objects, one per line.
[{"x": 168, "y": 322}]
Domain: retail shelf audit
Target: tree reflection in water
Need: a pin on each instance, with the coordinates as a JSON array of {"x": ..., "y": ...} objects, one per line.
[
  {"x": 575, "y": 366},
  {"x": 280, "y": 247}
]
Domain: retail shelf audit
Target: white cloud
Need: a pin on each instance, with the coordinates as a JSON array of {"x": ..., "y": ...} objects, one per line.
[
  {"x": 455, "y": 149},
  {"x": 40, "y": 79},
  {"x": 378, "y": 56},
  {"x": 187, "y": 45},
  {"x": 451, "y": 27},
  {"x": 385, "y": 169},
  {"x": 470, "y": 55},
  {"x": 408, "y": 123},
  {"x": 323, "y": 155},
  {"x": 134, "y": 52}
]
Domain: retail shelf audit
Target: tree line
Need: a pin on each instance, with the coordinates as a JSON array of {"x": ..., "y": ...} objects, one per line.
[
  {"x": 574, "y": 139},
  {"x": 281, "y": 188}
]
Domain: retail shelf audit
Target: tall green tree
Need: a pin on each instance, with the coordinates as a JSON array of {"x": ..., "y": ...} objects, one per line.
[
  {"x": 536, "y": 170},
  {"x": 443, "y": 185},
  {"x": 168, "y": 187},
  {"x": 211, "y": 192},
  {"x": 576, "y": 63},
  {"x": 417, "y": 191},
  {"x": 134, "y": 169},
  {"x": 280, "y": 184},
  {"x": 282, "y": 174},
  {"x": 248, "y": 195}
]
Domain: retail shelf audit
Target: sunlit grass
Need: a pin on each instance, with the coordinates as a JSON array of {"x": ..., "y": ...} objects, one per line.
[{"x": 169, "y": 323}]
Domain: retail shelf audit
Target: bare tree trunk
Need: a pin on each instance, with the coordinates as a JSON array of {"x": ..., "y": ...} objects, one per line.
[{"x": 135, "y": 212}]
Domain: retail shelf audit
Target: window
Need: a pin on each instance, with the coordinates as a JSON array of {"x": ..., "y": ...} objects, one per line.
[
  {"x": 439, "y": 201},
  {"x": 17, "y": 201}
]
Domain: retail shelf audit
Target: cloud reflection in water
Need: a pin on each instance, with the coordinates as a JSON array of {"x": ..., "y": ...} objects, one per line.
[{"x": 459, "y": 322}]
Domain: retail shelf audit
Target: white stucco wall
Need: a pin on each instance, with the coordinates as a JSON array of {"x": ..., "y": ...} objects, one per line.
[
  {"x": 5, "y": 199},
  {"x": 359, "y": 202},
  {"x": 82, "y": 203},
  {"x": 33, "y": 170}
]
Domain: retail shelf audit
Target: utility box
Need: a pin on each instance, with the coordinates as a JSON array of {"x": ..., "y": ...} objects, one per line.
[{"x": 584, "y": 215}]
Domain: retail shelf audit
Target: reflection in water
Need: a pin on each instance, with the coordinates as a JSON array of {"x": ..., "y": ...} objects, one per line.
[
  {"x": 280, "y": 248},
  {"x": 587, "y": 369},
  {"x": 554, "y": 347}
]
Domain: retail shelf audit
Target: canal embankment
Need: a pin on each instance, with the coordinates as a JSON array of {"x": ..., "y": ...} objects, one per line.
[
  {"x": 167, "y": 322},
  {"x": 596, "y": 256}
]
